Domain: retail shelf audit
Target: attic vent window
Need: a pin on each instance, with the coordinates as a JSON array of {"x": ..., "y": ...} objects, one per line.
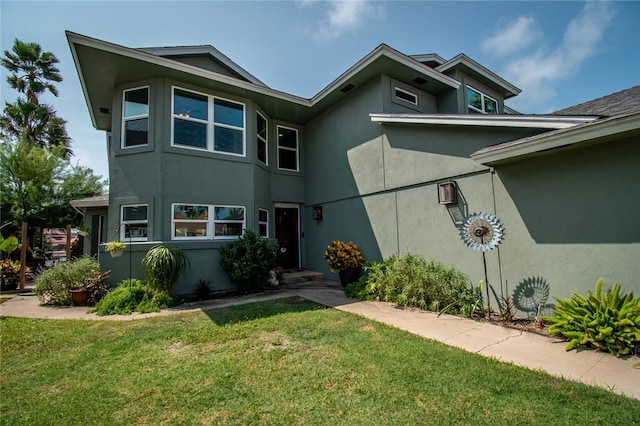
[
  {"x": 346, "y": 88},
  {"x": 412, "y": 98}
]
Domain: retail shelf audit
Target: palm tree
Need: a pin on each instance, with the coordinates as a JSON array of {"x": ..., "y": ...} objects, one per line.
[{"x": 32, "y": 70}]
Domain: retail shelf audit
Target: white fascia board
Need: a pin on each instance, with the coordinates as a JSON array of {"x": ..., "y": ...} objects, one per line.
[
  {"x": 384, "y": 50},
  {"x": 179, "y": 66},
  {"x": 588, "y": 132},
  {"x": 72, "y": 45},
  {"x": 519, "y": 121},
  {"x": 462, "y": 59}
]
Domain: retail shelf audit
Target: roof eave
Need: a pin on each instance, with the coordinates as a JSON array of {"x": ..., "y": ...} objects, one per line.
[
  {"x": 595, "y": 132},
  {"x": 516, "y": 121}
]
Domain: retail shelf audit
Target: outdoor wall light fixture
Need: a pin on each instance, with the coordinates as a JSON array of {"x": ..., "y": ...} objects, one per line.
[
  {"x": 447, "y": 193},
  {"x": 317, "y": 213}
]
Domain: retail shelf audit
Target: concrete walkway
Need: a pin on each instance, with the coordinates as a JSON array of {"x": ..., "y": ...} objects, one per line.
[{"x": 518, "y": 347}]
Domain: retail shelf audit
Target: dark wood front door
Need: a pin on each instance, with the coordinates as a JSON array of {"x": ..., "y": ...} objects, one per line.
[{"x": 287, "y": 235}]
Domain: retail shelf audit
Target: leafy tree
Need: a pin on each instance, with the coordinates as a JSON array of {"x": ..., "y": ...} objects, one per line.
[{"x": 37, "y": 180}]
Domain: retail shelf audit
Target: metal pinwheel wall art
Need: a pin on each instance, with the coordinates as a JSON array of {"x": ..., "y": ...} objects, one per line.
[{"x": 482, "y": 232}]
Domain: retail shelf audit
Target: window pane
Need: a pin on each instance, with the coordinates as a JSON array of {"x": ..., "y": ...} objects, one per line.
[
  {"x": 287, "y": 137},
  {"x": 228, "y": 229},
  {"x": 228, "y": 113},
  {"x": 190, "y": 229},
  {"x": 229, "y": 213},
  {"x": 228, "y": 140},
  {"x": 190, "y": 105},
  {"x": 189, "y": 133},
  {"x": 263, "y": 230},
  {"x": 263, "y": 215},
  {"x": 262, "y": 151},
  {"x": 288, "y": 159},
  {"x": 137, "y": 230},
  {"x": 136, "y": 102},
  {"x": 136, "y": 132},
  {"x": 475, "y": 99},
  {"x": 262, "y": 127},
  {"x": 134, "y": 213},
  {"x": 490, "y": 106},
  {"x": 190, "y": 212}
]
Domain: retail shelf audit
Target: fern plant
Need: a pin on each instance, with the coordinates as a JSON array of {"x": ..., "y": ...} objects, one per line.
[
  {"x": 609, "y": 321},
  {"x": 163, "y": 267}
]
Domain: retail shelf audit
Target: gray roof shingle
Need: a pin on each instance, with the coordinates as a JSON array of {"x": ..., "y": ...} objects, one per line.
[{"x": 623, "y": 102}]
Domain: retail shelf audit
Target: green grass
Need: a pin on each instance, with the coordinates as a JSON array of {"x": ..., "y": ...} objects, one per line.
[{"x": 279, "y": 362}]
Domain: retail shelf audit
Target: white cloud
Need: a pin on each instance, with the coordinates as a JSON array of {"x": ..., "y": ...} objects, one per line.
[
  {"x": 345, "y": 16},
  {"x": 514, "y": 37},
  {"x": 536, "y": 73}
]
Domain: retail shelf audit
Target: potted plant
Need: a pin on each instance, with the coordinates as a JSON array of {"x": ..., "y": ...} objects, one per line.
[
  {"x": 114, "y": 248},
  {"x": 9, "y": 274},
  {"x": 345, "y": 259}
]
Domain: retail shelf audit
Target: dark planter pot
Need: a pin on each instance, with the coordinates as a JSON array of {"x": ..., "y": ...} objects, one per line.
[
  {"x": 8, "y": 286},
  {"x": 79, "y": 297},
  {"x": 348, "y": 276}
]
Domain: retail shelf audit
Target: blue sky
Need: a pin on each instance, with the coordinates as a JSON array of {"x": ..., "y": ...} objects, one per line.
[{"x": 559, "y": 53}]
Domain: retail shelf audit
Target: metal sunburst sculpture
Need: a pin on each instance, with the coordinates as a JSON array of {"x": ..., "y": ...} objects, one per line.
[{"x": 482, "y": 232}]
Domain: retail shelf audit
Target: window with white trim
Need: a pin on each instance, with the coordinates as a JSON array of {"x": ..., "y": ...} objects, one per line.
[
  {"x": 261, "y": 139},
  {"x": 263, "y": 222},
  {"x": 134, "y": 221},
  {"x": 197, "y": 221},
  {"x": 208, "y": 123},
  {"x": 479, "y": 102},
  {"x": 287, "y": 149},
  {"x": 135, "y": 117},
  {"x": 406, "y": 96}
]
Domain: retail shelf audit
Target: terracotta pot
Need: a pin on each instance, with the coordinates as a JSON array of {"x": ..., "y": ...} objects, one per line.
[{"x": 79, "y": 297}]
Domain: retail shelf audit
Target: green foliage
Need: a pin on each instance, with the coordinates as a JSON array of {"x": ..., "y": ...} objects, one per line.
[
  {"x": 409, "y": 280},
  {"x": 609, "y": 321},
  {"x": 53, "y": 284},
  {"x": 248, "y": 260},
  {"x": 468, "y": 304},
  {"x": 133, "y": 295},
  {"x": 359, "y": 289},
  {"x": 203, "y": 290},
  {"x": 163, "y": 267}
]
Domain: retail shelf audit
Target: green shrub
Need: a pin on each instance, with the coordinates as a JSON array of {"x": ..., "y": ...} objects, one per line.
[
  {"x": 53, "y": 284},
  {"x": 248, "y": 260},
  {"x": 609, "y": 321},
  {"x": 359, "y": 289},
  {"x": 133, "y": 296},
  {"x": 409, "y": 280},
  {"x": 163, "y": 267}
]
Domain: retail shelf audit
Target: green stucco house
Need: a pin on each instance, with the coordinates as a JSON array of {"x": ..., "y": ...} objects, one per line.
[{"x": 199, "y": 149}]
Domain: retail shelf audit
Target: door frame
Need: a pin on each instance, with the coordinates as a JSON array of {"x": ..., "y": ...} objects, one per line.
[{"x": 298, "y": 231}]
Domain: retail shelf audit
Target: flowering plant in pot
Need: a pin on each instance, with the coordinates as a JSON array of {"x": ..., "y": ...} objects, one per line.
[{"x": 346, "y": 259}]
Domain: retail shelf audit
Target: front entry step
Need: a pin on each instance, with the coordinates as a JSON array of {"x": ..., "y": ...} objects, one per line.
[{"x": 301, "y": 276}]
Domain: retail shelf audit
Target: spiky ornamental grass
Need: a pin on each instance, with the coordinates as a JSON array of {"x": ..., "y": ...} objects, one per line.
[{"x": 163, "y": 267}]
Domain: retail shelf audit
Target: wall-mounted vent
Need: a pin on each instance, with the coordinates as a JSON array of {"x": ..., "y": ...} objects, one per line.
[
  {"x": 104, "y": 110},
  {"x": 419, "y": 80},
  {"x": 346, "y": 88}
]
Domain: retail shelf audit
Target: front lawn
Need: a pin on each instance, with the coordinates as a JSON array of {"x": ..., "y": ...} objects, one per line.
[{"x": 286, "y": 361}]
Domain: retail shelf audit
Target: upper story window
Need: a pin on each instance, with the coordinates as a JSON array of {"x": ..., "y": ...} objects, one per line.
[
  {"x": 191, "y": 221},
  {"x": 412, "y": 98},
  {"x": 208, "y": 123},
  {"x": 135, "y": 117},
  {"x": 134, "y": 222},
  {"x": 287, "y": 149},
  {"x": 261, "y": 138},
  {"x": 479, "y": 102}
]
